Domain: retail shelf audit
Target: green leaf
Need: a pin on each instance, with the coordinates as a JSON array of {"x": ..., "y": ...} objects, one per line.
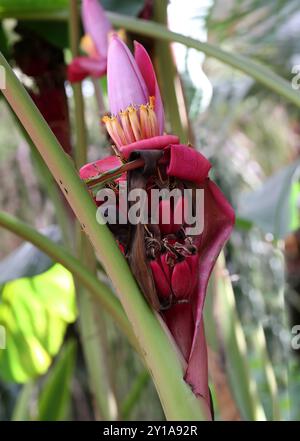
[
  {"x": 35, "y": 312},
  {"x": 21, "y": 409},
  {"x": 54, "y": 400},
  {"x": 272, "y": 207}
]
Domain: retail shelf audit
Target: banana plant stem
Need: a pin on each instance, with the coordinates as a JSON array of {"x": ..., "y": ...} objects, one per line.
[{"x": 49, "y": 184}]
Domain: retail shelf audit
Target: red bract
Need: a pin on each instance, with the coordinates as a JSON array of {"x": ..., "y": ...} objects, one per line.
[
  {"x": 98, "y": 167},
  {"x": 185, "y": 321},
  {"x": 94, "y": 43},
  {"x": 171, "y": 265}
]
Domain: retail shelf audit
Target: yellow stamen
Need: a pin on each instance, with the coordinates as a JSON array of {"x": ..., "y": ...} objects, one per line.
[
  {"x": 145, "y": 123},
  {"x": 152, "y": 121},
  {"x": 88, "y": 46},
  {"x": 115, "y": 130},
  {"x": 118, "y": 131},
  {"x": 127, "y": 127},
  {"x": 135, "y": 123},
  {"x": 106, "y": 120}
]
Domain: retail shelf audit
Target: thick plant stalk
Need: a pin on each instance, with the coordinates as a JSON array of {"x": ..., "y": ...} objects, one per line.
[
  {"x": 21, "y": 411},
  {"x": 160, "y": 356},
  {"x": 92, "y": 330},
  {"x": 169, "y": 78},
  {"x": 134, "y": 394},
  {"x": 81, "y": 147},
  {"x": 92, "y": 333},
  {"x": 49, "y": 185},
  {"x": 99, "y": 98},
  {"x": 258, "y": 341}
]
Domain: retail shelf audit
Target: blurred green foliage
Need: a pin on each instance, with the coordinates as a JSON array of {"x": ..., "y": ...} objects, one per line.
[
  {"x": 55, "y": 398},
  {"x": 35, "y": 312}
]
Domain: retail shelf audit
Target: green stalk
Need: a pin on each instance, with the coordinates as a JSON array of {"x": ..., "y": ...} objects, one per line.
[
  {"x": 257, "y": 71},
  {"x": 93, "y": 338},
  {"x": 49, "y": 185},
  {"x": 81, "y": 144},
  {"x": 134, "y": 394},
  {"x": 92, "y": 328},
  {"x": 177, "y": 399},
  {"x": 21, "y": 411},
  {"x": 169, "y": 79},
  {"x": 258, "y": 341},
  {"x": 100, "y": 290}
]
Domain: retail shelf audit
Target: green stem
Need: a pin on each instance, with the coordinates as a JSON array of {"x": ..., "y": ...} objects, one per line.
[
  {"x": 170, "y": 80},
  {"x": 21, "y": 411},
  {"x": 259, "y": 345},
  {"x": 101, "y": 292},
  {"x": 93, "y": 338},
  {"x": 134, "y": 394},
  {"x": 255, "y": 70},
  {"x": 49, "y": 185},
  {"x": 160, "y": 356},
  {"x": 81, "y": 144},
  {"x": 99, "y": 98}
]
